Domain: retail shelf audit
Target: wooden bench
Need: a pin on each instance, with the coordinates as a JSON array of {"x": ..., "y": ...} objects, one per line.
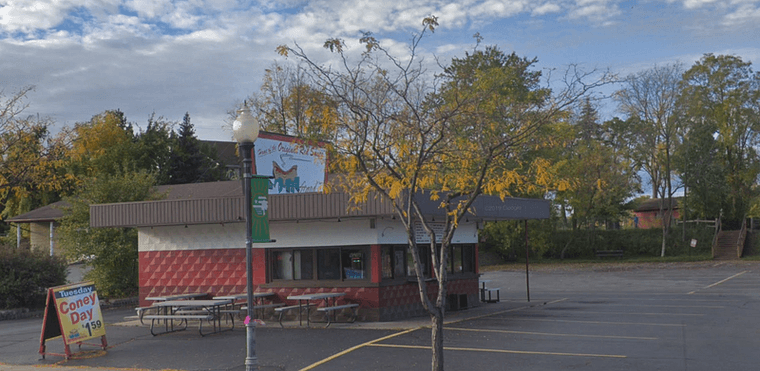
[
  {"x": 141, "y": 312},
  {"x": 282, "y": 310},
  {"x": 260, "y": 308},
  {"x": 182, "y": 317},
  {"x": 609, "y": 253},
  {"x": 263, "y": 306},
  {"x": 327, "y": 310}
]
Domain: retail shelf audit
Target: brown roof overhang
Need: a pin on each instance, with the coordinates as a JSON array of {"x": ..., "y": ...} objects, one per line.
[
  {"x": 293, "y": 207},
  {"x": 47, "y": 213}
]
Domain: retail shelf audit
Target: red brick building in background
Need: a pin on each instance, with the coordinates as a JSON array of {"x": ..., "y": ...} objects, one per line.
[{"x": 649, "y": 213}]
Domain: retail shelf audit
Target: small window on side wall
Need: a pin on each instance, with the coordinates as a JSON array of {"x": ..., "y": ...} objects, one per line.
[
  {"x": 393, "y": 262},
  {"x": 462, "y": 259},
  {"x": 399, "y": 260},
  {"x": 387, "y": 262}
]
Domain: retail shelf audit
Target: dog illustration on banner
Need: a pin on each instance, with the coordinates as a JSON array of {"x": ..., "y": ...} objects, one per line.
[{"x": 287, "y": 180}]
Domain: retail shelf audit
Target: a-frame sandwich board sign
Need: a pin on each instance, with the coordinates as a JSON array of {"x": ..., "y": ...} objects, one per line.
[{"x": 72, "y": 312}]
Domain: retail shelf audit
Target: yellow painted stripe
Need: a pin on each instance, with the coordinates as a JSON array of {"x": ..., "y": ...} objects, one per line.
[
  {"x": 372, "y": 343},
  {"x": 594, "y": 322},
  {"x": 721, "y": 281},
  {"x": 503, "y": 312},
  {"x": 647, "y": 314},
  {"x": 665, "y": 306},
  {"x": 551, "y": 334},
  {"x": 349, "y": 350},
  {"x": 692, "y": 300},
  {"x": 502, "y": 351}
]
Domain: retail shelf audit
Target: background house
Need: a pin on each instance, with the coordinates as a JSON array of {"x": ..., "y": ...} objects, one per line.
[
  {"x": 649, "y": 214},
  {"x": 41, "y": 224}
]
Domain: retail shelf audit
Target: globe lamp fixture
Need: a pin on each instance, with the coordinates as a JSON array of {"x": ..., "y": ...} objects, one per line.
[{"x": 245, "y": 128}]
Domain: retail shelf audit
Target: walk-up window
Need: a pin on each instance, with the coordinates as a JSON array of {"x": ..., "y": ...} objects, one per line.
[
  {"x": 462, "y": 259},
  {"x": 394, "y": 262},
  {"x": 398, "y": 263},
  {"x": 292, "y": 264},
  {"x": 328, "y": 264}
]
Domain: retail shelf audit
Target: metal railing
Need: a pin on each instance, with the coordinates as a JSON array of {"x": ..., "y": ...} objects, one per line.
[
  {"x": 718, "y": 229},
  {"x": 742, "y": 236}
]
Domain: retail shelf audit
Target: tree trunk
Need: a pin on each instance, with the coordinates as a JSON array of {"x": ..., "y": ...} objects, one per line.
[{"x": 437, "y": 339}]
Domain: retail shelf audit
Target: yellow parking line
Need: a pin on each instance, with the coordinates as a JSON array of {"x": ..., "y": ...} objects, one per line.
[
  {"x": 349, "y": 350},
  {"x": 719, "y": 282},
  {"x": 594, "y": 322},
  {"x": 502, "y": 312},
  {"x": 551, "y": 334},
  {"x": 648, "y": 314},
  {"x": 372, "y": 343},
  {"x": 665, "y": 306},
  {"x": 690, "y": 300},
  {"x": 502, "y": 351}
]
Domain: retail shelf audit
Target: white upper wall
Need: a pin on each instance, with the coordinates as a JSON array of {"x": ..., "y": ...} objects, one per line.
[{"x": 303, "y": 234}]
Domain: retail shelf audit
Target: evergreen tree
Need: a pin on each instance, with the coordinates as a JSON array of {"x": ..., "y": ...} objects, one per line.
[
  {"x": 191, "y": 161},
  {"x": 155, "y": 148}
]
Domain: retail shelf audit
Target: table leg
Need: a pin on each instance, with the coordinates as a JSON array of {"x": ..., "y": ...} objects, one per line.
[
  {"x": 308, "y": 319},
  {"x": 299, "y": 313}
]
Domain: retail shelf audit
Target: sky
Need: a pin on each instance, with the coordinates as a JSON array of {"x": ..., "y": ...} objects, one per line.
[{"x": 204, "y": 57}]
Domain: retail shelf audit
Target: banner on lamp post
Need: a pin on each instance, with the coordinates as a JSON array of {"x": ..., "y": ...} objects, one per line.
[{"x": 260, "y": 209}]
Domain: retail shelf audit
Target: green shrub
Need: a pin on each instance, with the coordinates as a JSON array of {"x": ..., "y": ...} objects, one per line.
[
  {"x": 26, "y": 275},
  {"x": 508, "y": 240}
]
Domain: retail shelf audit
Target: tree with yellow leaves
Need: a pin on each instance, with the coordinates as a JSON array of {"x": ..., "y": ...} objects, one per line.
[
  {"x": 31, "y": 159},
  {"x": 288, "y": 104},
  {"x": 407, "y": 135}
]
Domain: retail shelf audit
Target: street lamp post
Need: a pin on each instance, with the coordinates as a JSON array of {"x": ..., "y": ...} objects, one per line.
[{"x": 245, "y": 129}]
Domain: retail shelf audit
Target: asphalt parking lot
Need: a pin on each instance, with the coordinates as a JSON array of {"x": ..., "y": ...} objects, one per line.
[{"x": 677, "y": 316}]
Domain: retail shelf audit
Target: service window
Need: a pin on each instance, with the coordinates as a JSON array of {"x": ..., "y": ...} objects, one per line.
[
  {"x": 354, "y": 264},
  {"x": 328, "y": 264},
  {"x": 399, "y": 261},
  {"x": 462, "y": 259},
  {"x": 468, "y": 258},
  {"x": 387, "y": 262},
  {"x": 303, "y": 264},
  {"x": 456, "y": 259},
  {"x": 280, "y": 266},
  {"x": 424, "y": 254},
  {"x": 319, "y": 264},
  {"x": 292, "y": 264},
  {"x": 393, "y": 261}
]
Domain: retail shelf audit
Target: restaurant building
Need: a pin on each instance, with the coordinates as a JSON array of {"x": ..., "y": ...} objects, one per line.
[{"x": 193, "y": 240}]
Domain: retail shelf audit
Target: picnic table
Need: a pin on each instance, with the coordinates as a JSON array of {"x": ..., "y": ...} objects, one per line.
[
  {"x": 258, "y": 301},
  {"x": 142, "y": 310},
  {"x": 304, "y": 302},
  {"x": 188, "y": 296},
  {"x": 489, "y": 291},
  {"x": 169, "y": 311},
  {"x": 238, "y": 297}
]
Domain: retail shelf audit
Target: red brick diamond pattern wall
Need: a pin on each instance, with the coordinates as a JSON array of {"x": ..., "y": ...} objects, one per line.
[{"x": 217, "y": 272}]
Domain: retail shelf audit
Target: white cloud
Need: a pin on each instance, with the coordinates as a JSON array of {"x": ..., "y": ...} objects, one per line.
[
  {"x": 150, "y": 8},
  {"x": 692, "y": 4},
  {"x": 497, "y": 8},
  {"x": 28, "y": 16},
  {"x": 453, "y": 15},
  {"x": 745, "y": 14},
  {"x": 597, "y": 11},
  {"x": 202, "y": 56},
  {"x": 546, "y": 9}
]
